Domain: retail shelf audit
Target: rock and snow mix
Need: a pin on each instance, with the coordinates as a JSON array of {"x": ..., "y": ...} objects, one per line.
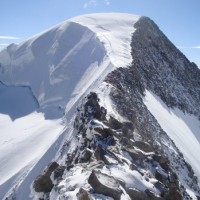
[
  {"x": 104, "y": 162},
  {"x": 117, "y": 145}
]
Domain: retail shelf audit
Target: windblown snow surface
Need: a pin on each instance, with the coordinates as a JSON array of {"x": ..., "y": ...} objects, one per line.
[{"x": 58, "y": 66}]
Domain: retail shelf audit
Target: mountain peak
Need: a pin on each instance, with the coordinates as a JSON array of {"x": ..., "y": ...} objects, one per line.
[{"x": 127, "y": 104}]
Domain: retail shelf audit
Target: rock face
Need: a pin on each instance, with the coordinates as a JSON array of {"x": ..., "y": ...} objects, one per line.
[
  {"x": 105, "y": 184},
  {"x": 163, "y": 69},
  {"x": 103, "y": 146},
  {"x": 158, "y": 67},
  {"x": 83, "y": 195},
  {"x": 135, "y": 194},
  {"x": 43, "y": 182}
]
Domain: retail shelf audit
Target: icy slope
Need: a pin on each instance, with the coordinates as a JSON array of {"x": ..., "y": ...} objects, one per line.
[
  {"x": 24, "y": 141},
  {"x": 63, "y": 62},
  {"x": 25, "y": 135},
  {"x": 182, "y": 128}
]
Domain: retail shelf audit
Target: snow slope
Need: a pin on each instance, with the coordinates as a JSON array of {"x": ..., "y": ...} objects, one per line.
[
  {"x": 182, "y": 128},
  {"x": 58, "y": 66}
]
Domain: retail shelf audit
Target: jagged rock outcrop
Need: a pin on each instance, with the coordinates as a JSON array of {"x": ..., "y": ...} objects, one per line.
[
  {"x": 161, "y": 68},
  {"x": 158, "y": 67},
  {"x": 105, "y": 184},
  {"x": 43, "y": 182},
  {"x": 105, "y": 160}
]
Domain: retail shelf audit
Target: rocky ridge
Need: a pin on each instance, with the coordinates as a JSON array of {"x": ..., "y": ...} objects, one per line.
[
  {"x": 161, "y": 68},
  {"x": 108, "y": 152}
]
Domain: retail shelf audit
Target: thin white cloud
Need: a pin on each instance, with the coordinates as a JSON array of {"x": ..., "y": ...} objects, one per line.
[
  {"x": 94, "y": 3},
  {"x": 4, "y": 44},
  {"x": 8, "y": 38},
  {"x": 90, "y": 3},
  {"x": 107, "y": 2},
  {"x": 185, "y": 47}
]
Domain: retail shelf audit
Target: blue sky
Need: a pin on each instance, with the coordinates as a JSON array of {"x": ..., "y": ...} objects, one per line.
[{"x": 178, "y": 19}]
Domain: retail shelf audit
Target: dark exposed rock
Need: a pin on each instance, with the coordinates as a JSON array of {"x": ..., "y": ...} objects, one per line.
[
  {"x": 198, "y": 197},
  {"x": 92, "y": 107},
  {"x": 99, "y": 153},
  {"x": 158, "y": 66},
  {"x": 172, "y": 177},
  {"x": 144, "y": 146},
  {"x": 151, "y": 195},
  {"x": 69, "y": 159},
  {"x": 135, "y": 155},
  {"x": 105, "y": 184},
  {"x": 133, "y": 167},
  {"x": 136, "y": 194},
  {"x": 128, "y": 125},
  {"x": 43, "y": 182},
  {"x": 58, "y": 172},
  {"x": 164, "y": 163},
  {"x": 114, "y": 123},
  {"x": 110, "y": 141},
  {"x": 127, "y": 129},
  {"x": 83, "y": 195},
  {"x": 161, "y": 187},
  {"x": 173, "y": 193},
  {"x": 159, "y": 176},
  {"x": 108, "y": 161},
  {"x": 124, "y": 141},
  {"x": 69, "y": 167},
  {"x": 104, "y": 132},
  {"x": 86, "y": 155}
]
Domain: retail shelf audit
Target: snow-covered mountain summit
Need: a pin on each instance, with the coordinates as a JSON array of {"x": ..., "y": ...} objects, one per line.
[
  {"x": 110, "y": 111},
  {"x": 56, "y": 64}
]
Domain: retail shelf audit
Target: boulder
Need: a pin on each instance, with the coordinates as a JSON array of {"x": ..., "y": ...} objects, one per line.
[
  {"x": 104, "y": 132},
  {"x": 136, "y": 194},
  {"x": 124, "y": 141},
  {"x": 86, "y": 155},
  {"x": 143, "y": 146},
  {"x": 133, "y": 167},
  {"x": 105, "y": 185},
  {"x": 99, "y": 153},
  {"x": 151, "y": 195},
  {"x": 162, "y": 161},
  {"x": 58, "y": 172},
  {"x": 135, "y": 155},
  {"x": 43, "y": 182},
  {"x": 159, "y": 176},
  {"x": 128, "y": 125},
  {"x": 161, "y": 187},
  {"x": 173, "y": 193},
  {"x": 83, "y": 195},
  {"x": 198, "y": 197},
  {"x": 114, "y": 123}
]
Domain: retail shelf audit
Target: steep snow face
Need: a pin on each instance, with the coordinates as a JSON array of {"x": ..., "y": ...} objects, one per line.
[
  {"x": 12, "y": 100},
  {"x": 23, "y": 143},
  {"x": 60, "y": 64},
  {"x": 182, "y": 128},
  {"x": 115, "y": 32}
]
